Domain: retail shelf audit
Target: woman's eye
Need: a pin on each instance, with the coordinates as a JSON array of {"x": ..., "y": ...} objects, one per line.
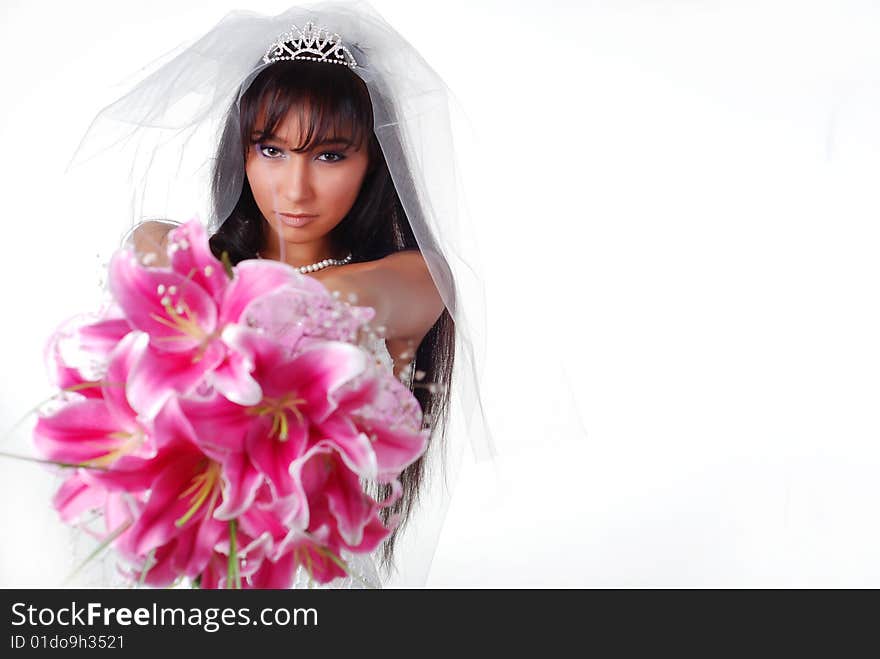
[
  {"x": 333, "y": 156},
  {"x": 263, "y": 148}
]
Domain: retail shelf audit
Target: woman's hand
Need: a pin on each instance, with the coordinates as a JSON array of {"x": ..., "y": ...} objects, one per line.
[{"x": 150, "y": 241}]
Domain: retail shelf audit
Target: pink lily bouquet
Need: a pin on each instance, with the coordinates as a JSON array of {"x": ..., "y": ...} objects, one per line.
[{"x": 222, "y": 420}]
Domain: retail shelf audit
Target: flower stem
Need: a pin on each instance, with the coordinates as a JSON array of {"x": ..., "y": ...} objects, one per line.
[
  {"x": 106, "y": 543},
  {"x": 233, "y": 577},
  {"x": 70, "y": 465},
  {"x": 148, "y": 565},
  {"x": 343, "y": 565}
]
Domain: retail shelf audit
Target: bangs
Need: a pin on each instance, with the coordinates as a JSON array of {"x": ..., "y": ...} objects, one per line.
[{"x": 331, "y": 103}]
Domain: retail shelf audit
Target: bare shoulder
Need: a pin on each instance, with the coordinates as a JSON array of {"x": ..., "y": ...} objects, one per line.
[
  {"x": 407, "y": 258},
  {"x": 408, "y": 263},
  {"x": 413, "y": 301},
  {"x": 398, "y": 286}
]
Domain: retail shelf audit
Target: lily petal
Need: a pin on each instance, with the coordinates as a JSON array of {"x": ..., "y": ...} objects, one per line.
[
  {"x": 241, "y": 480},
  {"x": 260, "y": 352},
  {"x": 76, "y": 497},
  {"x": 278, "y": 574},
  {"x": 123, "y": 358},
  {"x": 354, "y": 446},
  {"x": 233, "y": 379},
  {"x": 195, "y": 547},
  {"x": 253, "y": 279},
  {"x": 220, "y": 426},
  {"x": 177, "y": 313},
  {"x": 374, "y": 534},
  {"x": 191, "y": 257},
  {"x": 395, "y": 450},
  {"x": 102, "y": 336},
  {"x": 79, "y": 432},
  {"x": 157, "y": 376},
  {"x": 316, "y": 374},
  {"x": 273, "y": 457},
  {"x": 323, "y": 475},
  {"x": 169, "y": 508}
]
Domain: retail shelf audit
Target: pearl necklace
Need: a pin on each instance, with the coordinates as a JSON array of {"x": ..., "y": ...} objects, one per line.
[
  {"x": 326, "y": 263},
  {"x": 320, "y": 265}
]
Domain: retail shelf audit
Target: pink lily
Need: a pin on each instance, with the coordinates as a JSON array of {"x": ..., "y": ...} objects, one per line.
[
  {"x": 271, "y": 546},
  {"x": 251, "y": 552},
  {"x": 183, "y": 490},
  {"x": 337, "y": 501},
  {"x": 98, "y": 431},
  {"x": 298, "y": 396},
  {"x": 260, "y": 531},
  {"x": 77, "y": 496},
  {"x": 389, "y": 421},
  {"x": 185, "y": 310},
  {"x": 338, "y": 515},
  {"x": 77, "y": 353}
]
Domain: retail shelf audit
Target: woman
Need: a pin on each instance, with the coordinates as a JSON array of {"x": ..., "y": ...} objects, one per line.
[
  {"x": 313, "y": 169},
  {"x": 318, "y": 195}
]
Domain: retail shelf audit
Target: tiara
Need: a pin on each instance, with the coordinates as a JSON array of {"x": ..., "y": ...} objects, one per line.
[{"x": 311, "y": 43}]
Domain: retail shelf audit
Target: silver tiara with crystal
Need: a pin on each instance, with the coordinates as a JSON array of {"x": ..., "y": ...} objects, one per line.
[{"x": 311, "y": 43}]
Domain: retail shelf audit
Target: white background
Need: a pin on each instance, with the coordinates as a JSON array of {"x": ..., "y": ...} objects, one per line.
[{"x": 678, "y": 212}]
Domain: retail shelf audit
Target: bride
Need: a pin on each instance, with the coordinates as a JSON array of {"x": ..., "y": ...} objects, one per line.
[{"x": 334, "y": 157}]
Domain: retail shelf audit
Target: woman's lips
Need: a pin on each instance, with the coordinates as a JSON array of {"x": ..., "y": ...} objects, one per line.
[{"x": 295, "y": 221}]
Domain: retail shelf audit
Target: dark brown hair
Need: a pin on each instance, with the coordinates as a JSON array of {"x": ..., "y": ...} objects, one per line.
[{"x": 334, "y": 101}]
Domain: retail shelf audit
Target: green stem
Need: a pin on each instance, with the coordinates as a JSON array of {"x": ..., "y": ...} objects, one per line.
[
  {"x": 106, "y": 543},
  {"x": 71, "y": 465},
  {"x": 25, "y": 417},
  {"x": 338, "y": 561},
  {"x": 233, "y": 577},
  {"x": 148, "y": 565}
]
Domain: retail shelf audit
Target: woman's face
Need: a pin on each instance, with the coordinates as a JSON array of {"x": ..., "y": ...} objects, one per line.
[{"x": 321, "y": 183}]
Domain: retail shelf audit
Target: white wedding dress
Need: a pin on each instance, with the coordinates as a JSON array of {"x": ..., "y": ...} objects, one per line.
[{"x": 363, "y": 568}]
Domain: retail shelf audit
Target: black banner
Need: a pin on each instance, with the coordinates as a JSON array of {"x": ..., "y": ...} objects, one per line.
[{"x": 415, "y": 622}]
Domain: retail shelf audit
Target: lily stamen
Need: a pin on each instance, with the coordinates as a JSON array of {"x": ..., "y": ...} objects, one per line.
[
  {"x": 279, "y": 408},
  {"x": 131, "y": 441},
  {"x": 203, "y": 484},
  {"x": 185, "y": 321}
]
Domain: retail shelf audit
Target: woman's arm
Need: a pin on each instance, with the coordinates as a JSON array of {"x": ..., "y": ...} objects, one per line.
[{"x": 399, "y": 287}]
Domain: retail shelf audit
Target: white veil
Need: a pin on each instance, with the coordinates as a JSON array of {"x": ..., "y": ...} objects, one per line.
[{"x": 159, "y": 140}]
